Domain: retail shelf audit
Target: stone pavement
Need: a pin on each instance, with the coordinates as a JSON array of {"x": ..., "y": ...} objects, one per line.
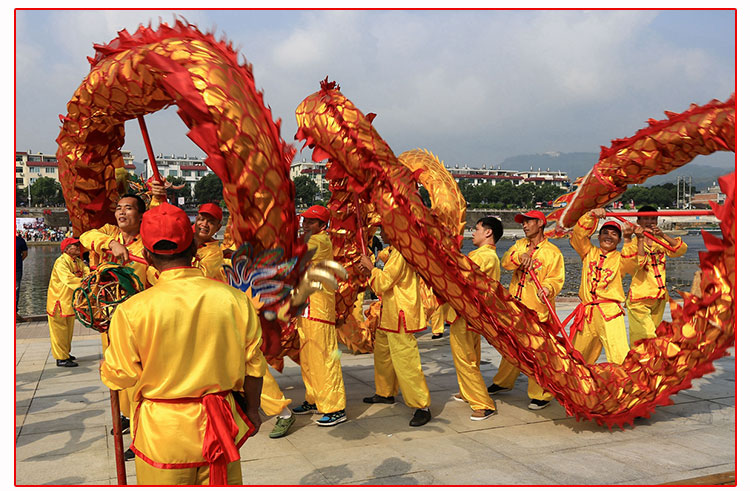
[{"x": 63, "y": 422}]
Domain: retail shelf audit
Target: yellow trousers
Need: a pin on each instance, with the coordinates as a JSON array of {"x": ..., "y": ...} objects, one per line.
[
  {"x": 644, "y": 316},
  {"x": 60, "y": 335},
  {"x": 148, "y": 475},
  {"x": 507, "y": 374},
  {"x": 320, "y": 362},
  {"x": 598, "y": 333},
  {"x": 466, "y": 350},
  {"x": 272, "y": 400},
  {"x": 398, "y": 365}
]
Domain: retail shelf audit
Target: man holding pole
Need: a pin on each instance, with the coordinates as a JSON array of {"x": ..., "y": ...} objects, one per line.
[
  {"x": 648, "y": 294},
  {"x": 466, "y": 344},
  {"x": 187, "y": 426},
  {"x": 532, "y": 255}
]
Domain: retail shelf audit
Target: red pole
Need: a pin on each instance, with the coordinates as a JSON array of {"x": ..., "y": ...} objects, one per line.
[
  {"x": 675, "y": 213},
  {"x": 134, "y": 258},
  {"x": 552, "y": 312},
  {"x": 647, "y": 234},
  {"x": 149, "y": 149}
]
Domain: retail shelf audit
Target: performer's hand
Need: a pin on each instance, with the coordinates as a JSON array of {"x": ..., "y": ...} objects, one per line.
[
  {"x": 599, "y": 213},
  {"x": 544, "y": 292},
  {"x": 627, "y": 230},
  {"x": 639, "y": 231},
  {"x": 254, "y": 417},
  {"x": 158, "y": 190},
  {"x": 526, "y": 260},
  {"x": 655, "y": 230},
  {"x": 365, "y": 264},
  {"x": 119, "y": 251}
]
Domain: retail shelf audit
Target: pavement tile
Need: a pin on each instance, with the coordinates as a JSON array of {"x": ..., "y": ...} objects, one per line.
[
  {"x": 70, "y": 402},
  {"x": 490, "y": 472},
  {"x": 57, "y": 421},
  {"x": 75, "y": 468},
  {"x": 343, "y": 466},
  {"x": 661, "y": 478},
  {"x": 45, "y": 446},
  {"x": 287, "y": 470},
  {"x": 410, "y": 479}
]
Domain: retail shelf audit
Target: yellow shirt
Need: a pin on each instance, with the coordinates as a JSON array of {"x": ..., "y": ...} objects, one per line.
[
  {"x": 210, "y": 260},
  {"x": 549, "y": 267},
  {"x": 67, "y": 274},
  {"x": 322, "y": 303},
  {"x": 397, "y": 285},
  {"x": 97, "y": 241},
  {"x": 186, "y": 336},
  {"x": 650, "y": 275},
  {"x": 601, "y": 273}
]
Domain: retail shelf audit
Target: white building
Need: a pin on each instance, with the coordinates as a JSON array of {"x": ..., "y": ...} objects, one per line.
[
  {"x": 31, "y": 166},
  {"x": 192, "y": 169}
]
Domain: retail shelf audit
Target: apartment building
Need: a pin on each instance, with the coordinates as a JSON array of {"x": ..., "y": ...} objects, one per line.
[{"x": 31, "y": 166}]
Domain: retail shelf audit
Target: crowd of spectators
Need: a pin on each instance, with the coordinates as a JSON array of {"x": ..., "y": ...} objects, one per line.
[{"x": 42, "y": 233}]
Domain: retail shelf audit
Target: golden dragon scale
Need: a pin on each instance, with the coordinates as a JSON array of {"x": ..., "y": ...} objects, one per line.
[
  {"x": 657, "y": 149},
  {"x": 610, "y": 394},
  {"x": 138, "y": 74}
]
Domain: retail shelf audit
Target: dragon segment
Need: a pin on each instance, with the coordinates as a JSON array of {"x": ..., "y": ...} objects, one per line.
[{"x": 610, "y": 394}]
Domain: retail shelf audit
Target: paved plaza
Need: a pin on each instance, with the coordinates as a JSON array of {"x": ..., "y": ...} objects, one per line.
[{"x": 63, "y": 421}]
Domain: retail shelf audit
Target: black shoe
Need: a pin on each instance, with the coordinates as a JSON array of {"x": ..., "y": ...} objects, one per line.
[
  {"x": 72, "y": 358},
  {"x": 66, "y": 363},
  {"x": 494, "y": 389},
  {"x": 125, "y": 423},
  {"x": 376, "y": 399},
  {"x": 421, "y": 416},
  {"x": 437, "y": 336},
  {"x": 537, "y": 404},
  {"x": 129, "y": 454}
]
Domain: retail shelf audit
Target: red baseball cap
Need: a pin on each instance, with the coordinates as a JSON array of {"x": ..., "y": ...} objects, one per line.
[
  {"x": 531, "y": 214},
  {"x": 319, "y": 212},
  {"x": 68, "y": 241},
  {"x": 211, "y": 209},
  {"x": 166, "y": 222},
  {"x": 612, "y": 223}
]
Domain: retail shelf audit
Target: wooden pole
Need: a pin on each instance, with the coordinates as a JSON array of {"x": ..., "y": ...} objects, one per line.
[
  {"x": 149, "y": 149},
  {"x": 114, "y": 401}
]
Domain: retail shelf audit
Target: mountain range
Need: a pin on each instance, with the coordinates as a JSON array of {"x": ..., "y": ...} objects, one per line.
[{"x": 704, "y": 170}]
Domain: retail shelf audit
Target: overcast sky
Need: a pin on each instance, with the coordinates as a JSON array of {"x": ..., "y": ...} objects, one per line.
[{"x": 473, "y": 87}]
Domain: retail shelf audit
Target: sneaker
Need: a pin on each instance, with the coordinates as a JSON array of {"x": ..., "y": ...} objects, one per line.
[
  {"x": 537, "y": 404},
  {"x": 66, "y": 363},
  {"x": 421, "y": 416},
  {"x": 282, "y": 426},
  {"x": 332, "y": 419},
  {"x": 376, "y": 399},
  {"x": 129, "y": 454},
  {"x": 125, "y": 423},
  {"x": 494, "y": 389},
  {"x": 305, "y": 408},
  {"x": 437, "y": 336},
  {"x": 457, "y": 397},
  {"x": 481, "y": 414}
]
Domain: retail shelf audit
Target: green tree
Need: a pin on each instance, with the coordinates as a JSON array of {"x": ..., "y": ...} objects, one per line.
[
  {"x": 46, "y": 191},
  {"x": 209, "y": 189},
  {"x": 306, "y": 191},
  {"x": 548, "y": 192}
]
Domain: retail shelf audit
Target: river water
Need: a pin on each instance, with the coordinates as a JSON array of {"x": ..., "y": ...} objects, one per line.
[{"x": 38, "y": 266}]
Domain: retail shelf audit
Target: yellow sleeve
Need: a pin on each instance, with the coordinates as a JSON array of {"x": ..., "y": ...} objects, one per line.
[
  {"x": 630, "y": 262},
  {"x": 680, "y": 250},
  {"x": 255, "y": 364},
  {"x": 580, "y": 238},
  {"x": 122, "y": 365},
  {"x": 383, "y": 280},
  {"x": 98, "y": 240},
  {"x": 65, "y": 273},
  {"x": 510, "y": 258},
  {"x": 555, "y": 278}
]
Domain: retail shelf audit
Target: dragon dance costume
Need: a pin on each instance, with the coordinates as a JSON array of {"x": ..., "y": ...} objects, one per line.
[
  {"x": 396, "y": 355},
  {"x": 67, "y": 273},
  {"x": 549, "y": 268},
  {"x": 466, "y": 344},
  {"x": 648, "y": 296}
]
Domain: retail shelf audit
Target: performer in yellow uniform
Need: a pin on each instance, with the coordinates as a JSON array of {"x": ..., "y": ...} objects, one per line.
[
  {"x": 210, "y": 261},
  {"x": 184, "y": 345},
  {"x": 601, "y": 289},
  {"x": 466, "y": 344},
  {"x": 319, "y": 354},
  {"x": 67, "y": 273},
  {"x": 396, "y": 354},
  {"x": 534, "y": 252},
  {"x": 209, "y": 258},
  {"x": 648, "y": 295}
]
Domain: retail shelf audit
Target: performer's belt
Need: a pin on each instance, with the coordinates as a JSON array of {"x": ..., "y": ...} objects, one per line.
[
  {"x": 580, "y": 313},
  {"x": 221, "y": 430}
]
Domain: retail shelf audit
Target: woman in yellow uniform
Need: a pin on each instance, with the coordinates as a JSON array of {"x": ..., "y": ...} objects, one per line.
[
  {"x": 184, "y": 345},
  {"x": 533, "y": 252},
  {"x": 601, "y": 291},
  {"x": 319, "y": 353},
  {"x": 396, "y": 354},
  {"x": 465, "y": 344},
  {"x": 648, "y": 295},
  {"x": 67, "y": 273}
]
